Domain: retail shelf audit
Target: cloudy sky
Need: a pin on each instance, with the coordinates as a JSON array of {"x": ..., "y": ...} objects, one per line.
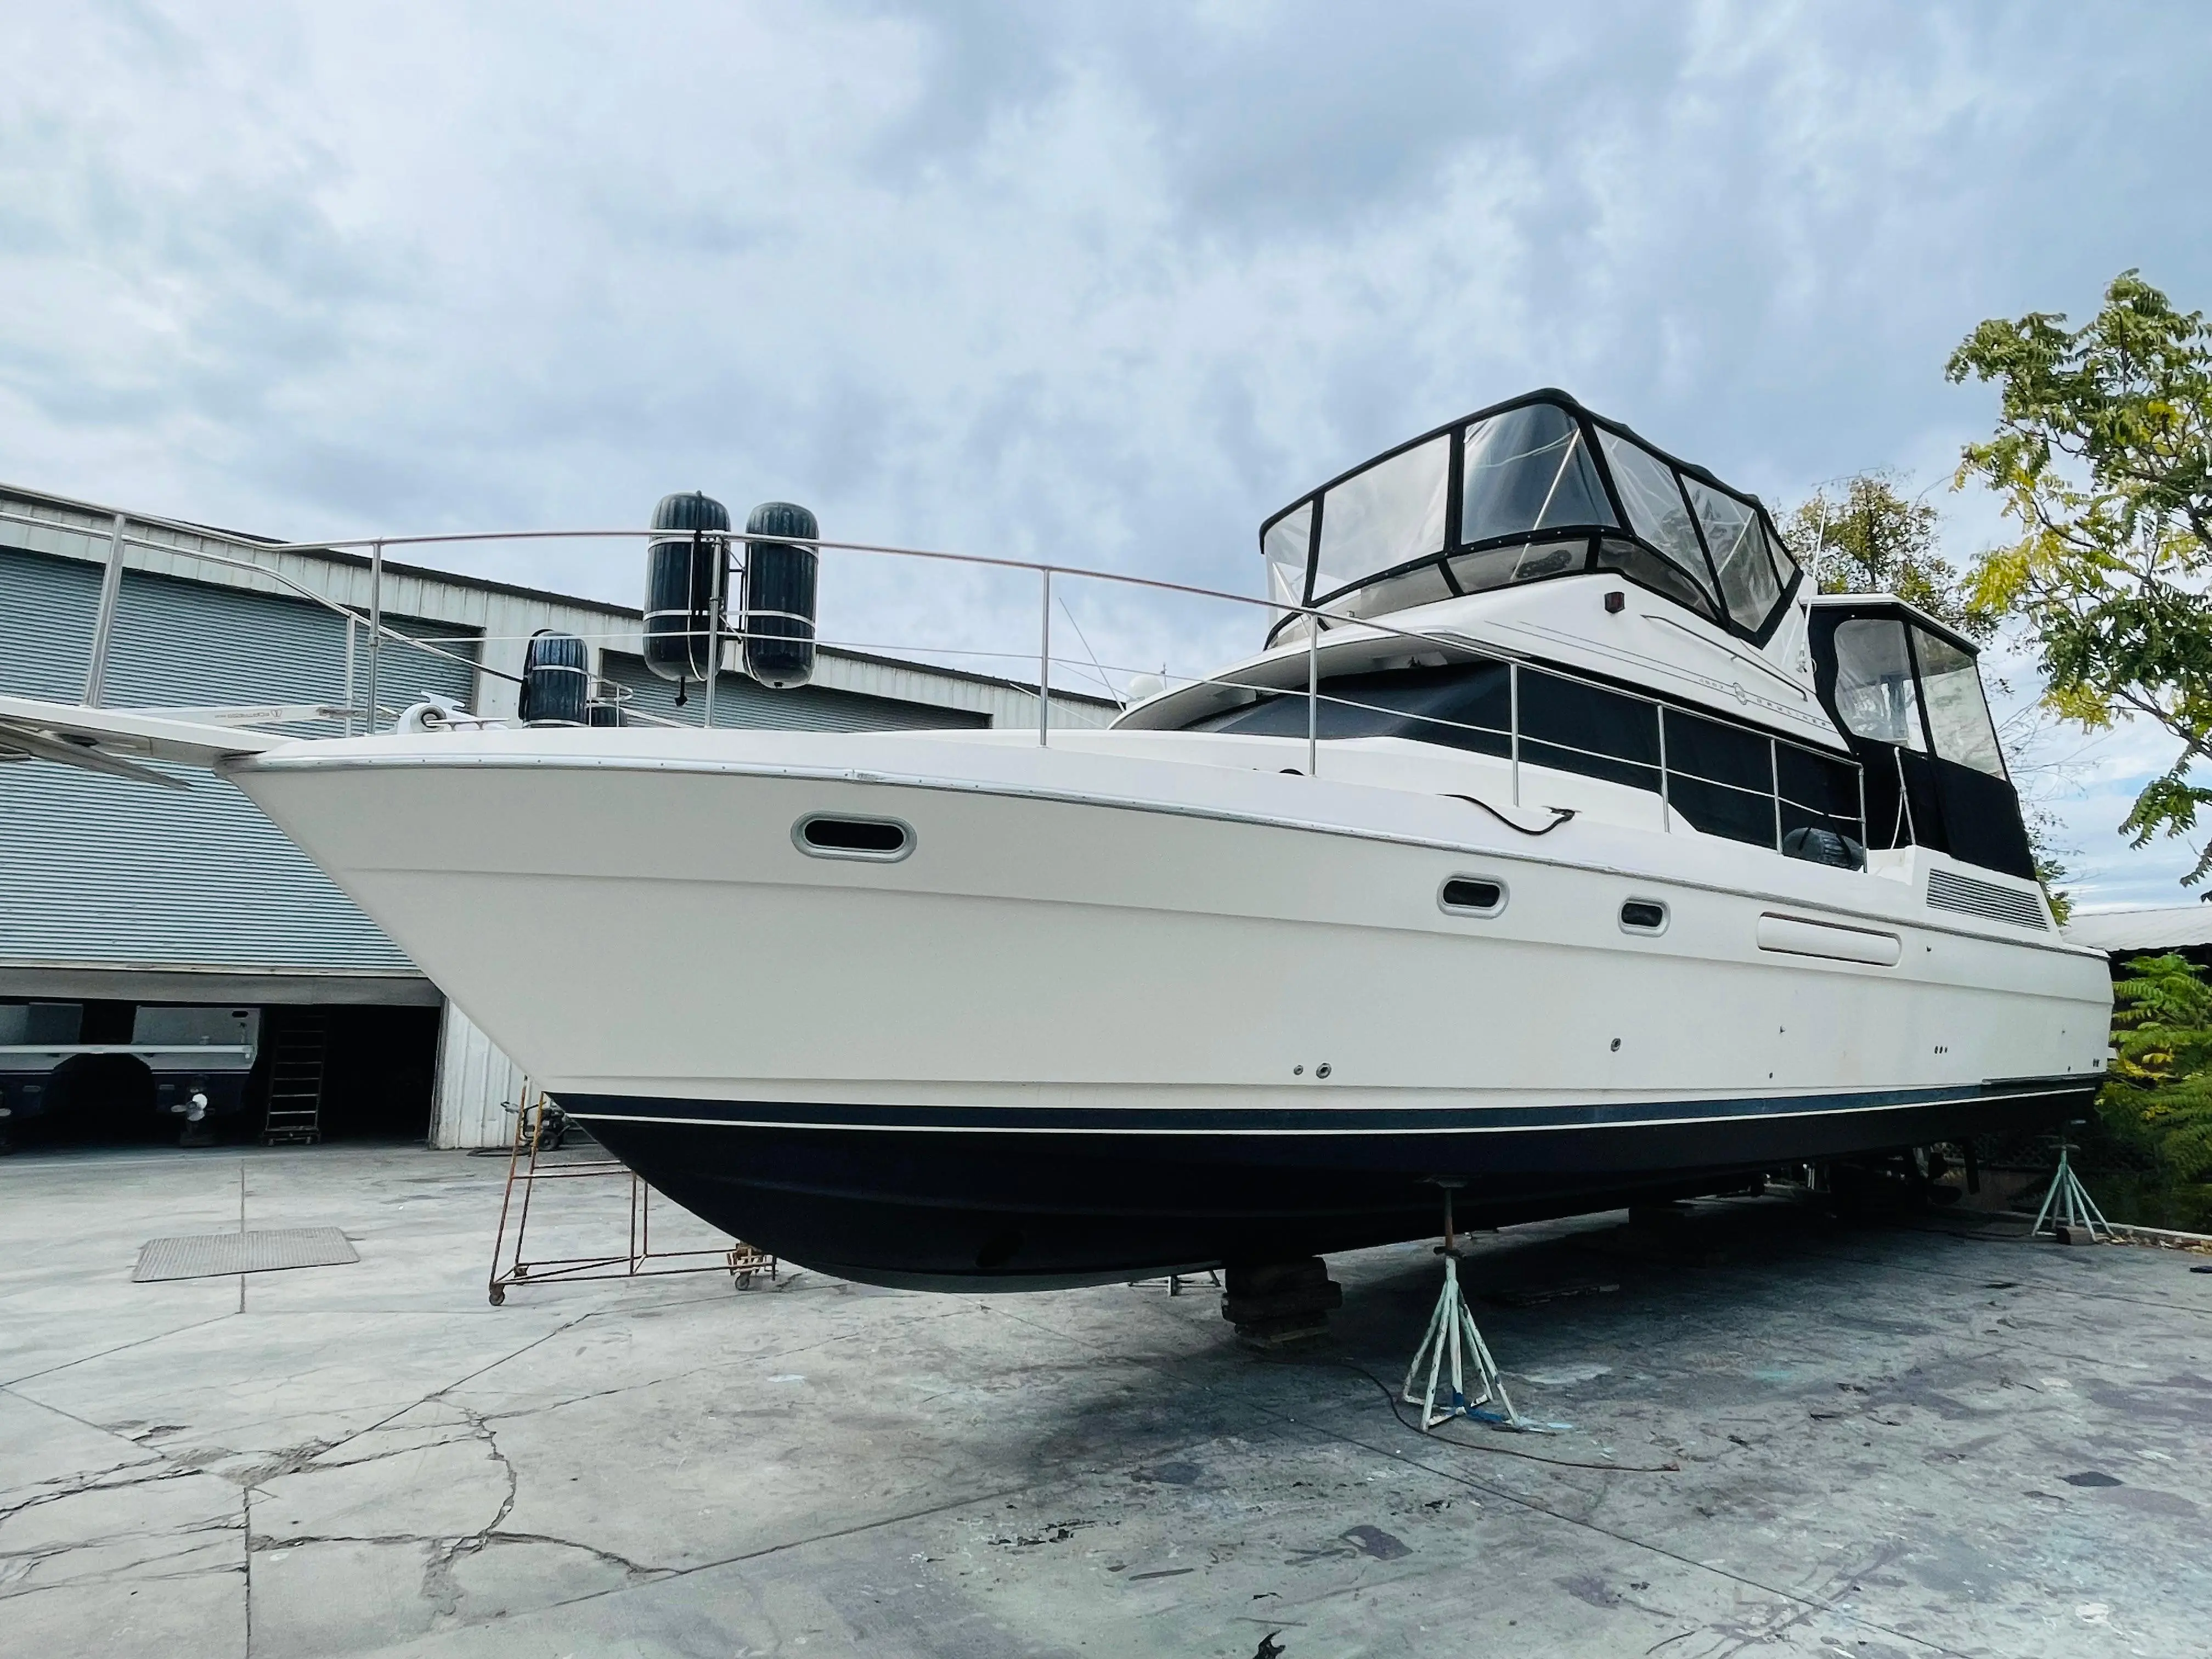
[{"x": 1105, "y": 283}]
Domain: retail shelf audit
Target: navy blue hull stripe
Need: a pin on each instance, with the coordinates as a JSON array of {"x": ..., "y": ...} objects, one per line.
[{"x": 1295, "y": 1120}]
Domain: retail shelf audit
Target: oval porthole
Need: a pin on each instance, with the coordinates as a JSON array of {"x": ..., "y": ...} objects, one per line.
[
  {"x": 831, "y": 835},
  {"x": 1644, "y": 916},
  {"x": 1472, "y": 896}
]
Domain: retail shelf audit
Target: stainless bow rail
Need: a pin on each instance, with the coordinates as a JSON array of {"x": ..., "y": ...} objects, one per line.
[{"x": 370, "y": 622}]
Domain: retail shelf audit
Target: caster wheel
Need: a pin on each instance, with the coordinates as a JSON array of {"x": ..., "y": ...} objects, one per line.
[{"x": 498, "y": 1296}]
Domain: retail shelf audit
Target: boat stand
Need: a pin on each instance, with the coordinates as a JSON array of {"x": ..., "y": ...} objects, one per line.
[
  {"x": 1175, "y": 1281},
  {"x": 1454, "y": 1340},
  {"x": 526, "y": 1168},
  {"x": 2066, "y": 1207}
]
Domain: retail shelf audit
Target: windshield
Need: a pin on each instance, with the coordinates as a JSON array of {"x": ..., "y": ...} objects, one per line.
[
  {"x": 1527, "y": 469},
  {"x": 1536, "y": 490}
]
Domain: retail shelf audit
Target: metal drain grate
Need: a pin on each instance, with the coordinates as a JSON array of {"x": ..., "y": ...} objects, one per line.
[{"x": 209, "y": 1255}]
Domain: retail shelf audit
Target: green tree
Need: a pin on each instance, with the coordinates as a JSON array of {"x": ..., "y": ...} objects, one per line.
[
  {"x": 1866, "y": 535},
  {"x": 2103, "y": 458},
  {"x": 1869, "y": 537},
  {"x": 2158, "y": 1098}
]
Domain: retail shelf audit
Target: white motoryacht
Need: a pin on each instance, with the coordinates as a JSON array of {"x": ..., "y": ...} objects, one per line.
[{"x": 1560, "y": 843}]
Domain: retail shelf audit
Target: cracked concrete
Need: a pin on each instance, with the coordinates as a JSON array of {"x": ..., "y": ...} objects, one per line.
[{"x": 1873, "y": 1442}]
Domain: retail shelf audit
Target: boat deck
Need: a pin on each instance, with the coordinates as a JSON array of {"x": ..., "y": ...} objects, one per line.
[{"x": 1890, "y": 1441}]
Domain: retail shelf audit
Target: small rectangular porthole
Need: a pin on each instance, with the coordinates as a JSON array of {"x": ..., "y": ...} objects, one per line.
[
  {"x": 835, "y": 836},
  {"x": 1472, "y": 896},
  {"x": 1644, "y": 916}
]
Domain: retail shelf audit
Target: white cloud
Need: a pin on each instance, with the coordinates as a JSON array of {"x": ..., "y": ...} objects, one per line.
[{"x": 1109, "y": 284}]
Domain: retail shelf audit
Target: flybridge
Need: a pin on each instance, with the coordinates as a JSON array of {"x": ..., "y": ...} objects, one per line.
[{"x": 1522, "y": 491}]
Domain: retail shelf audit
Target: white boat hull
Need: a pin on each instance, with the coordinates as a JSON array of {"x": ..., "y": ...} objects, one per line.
[{"x": 1117, "y": 1013}]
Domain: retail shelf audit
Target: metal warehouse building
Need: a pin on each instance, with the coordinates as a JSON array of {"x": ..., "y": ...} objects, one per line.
[{"x": 116, "y": 895}]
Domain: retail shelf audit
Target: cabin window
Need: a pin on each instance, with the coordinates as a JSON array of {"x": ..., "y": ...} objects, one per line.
[
  {"x": 1657, "y": 511},
  {"x": 1721, "y": 778},
  {"x": 1469, "y": 706},
  {"x": 1287, "y": 543},
  {"x": 1818, "y": 792},
  {"x": 1378, "y": 520},
  {"x": 1874, "y": 694},
  {"x": 1738, "y": 544},
  {"x": 1646, "y": 568},
  {"x": 1573, "y": 727},
  {"x": 1529, "y": 469},
  {"x": 1958, "y": 716}
]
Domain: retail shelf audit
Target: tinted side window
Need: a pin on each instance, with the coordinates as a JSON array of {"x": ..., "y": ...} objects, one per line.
[
  {"x": 1574, "y": 727},
  {"x": 1522, "y": 561},
  {"x": 1642, "y": 566},
  {"x": 1721, "y": 778},
  {"x": 1467, "y": 706},
  {"x": 1817, "y": 793}
]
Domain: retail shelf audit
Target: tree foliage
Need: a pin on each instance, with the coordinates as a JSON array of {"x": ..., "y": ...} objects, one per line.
[
  {"x": 2103, "y": 458},
  {"x": 2160, "y": 1087},
  {"x": 1868, "y": 537}
]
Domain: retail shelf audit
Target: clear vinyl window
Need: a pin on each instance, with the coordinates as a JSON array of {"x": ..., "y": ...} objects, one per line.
[
  {"x": 1875, "y": 691},
  {"x": 1288, "y": 540},
  {"x": 1958, "y": 714},
  {"x": 1542, "y": 474},
  {"x": 1526, "y": 470},
  {"x": 1380, "y": 519},
  {"x": 1657, "y": 511},
  {"x": 1738, "y": 544},
  {"x": 1784, "y": 566}
]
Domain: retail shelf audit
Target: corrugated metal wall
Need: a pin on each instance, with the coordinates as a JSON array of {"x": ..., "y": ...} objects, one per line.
[
  {"x": 739, "y": 702},
  {"x": 101, "y": 870},
  {"x": 477, "y": 1083}
]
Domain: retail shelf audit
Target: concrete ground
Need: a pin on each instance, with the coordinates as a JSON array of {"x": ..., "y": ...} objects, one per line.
[{"x": 1888, "y": 1442}]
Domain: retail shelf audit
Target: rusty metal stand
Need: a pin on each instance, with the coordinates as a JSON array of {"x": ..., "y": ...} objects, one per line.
[{"x": 527, "y": 1167}]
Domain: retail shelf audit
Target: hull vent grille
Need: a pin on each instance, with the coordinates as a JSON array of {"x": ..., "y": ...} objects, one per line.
[{"x": 1949, "y": 890}]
